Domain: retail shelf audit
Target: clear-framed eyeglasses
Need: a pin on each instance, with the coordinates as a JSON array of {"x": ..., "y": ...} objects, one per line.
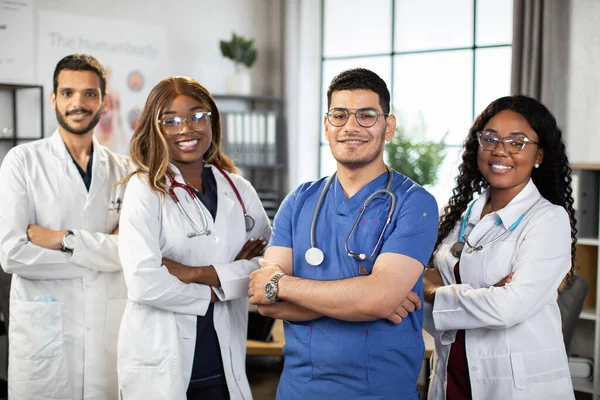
[
  {"x": 513, "y": 144},
  {"x": 366, "y": 117},
  {"x": 196, "y": 121}
]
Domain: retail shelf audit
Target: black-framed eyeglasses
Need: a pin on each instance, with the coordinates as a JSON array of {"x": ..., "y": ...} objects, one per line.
[
  {"x": 196, "y": 121},
  {"x": 366, "y": 117},
  {"x": 488, "y": 141}
]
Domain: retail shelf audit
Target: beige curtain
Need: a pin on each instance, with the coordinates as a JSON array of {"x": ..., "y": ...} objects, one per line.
[{"x": 540, "y": 52}]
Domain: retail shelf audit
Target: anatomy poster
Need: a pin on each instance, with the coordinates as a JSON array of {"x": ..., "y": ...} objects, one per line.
[{"x": 132, "y": 53}]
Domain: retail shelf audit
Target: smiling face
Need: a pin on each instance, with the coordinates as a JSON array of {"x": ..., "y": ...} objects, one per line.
[
  {"x": 78, "y": 102},
  {"x": 504, "y": 172},
  {"x": 188, "y": 146},
  {"x": 352, "y": 145}
]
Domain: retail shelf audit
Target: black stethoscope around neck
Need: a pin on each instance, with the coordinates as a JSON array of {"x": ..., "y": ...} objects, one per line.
[{"x": 315, "y": 256}]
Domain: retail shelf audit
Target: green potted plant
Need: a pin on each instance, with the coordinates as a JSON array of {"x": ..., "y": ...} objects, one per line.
[
  {"x": 411, "y": 154},
  {"x": 243, "y": 53}
]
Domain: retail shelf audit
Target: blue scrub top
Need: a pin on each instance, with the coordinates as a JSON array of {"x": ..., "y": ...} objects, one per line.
[{"x": 333, "y": 359}]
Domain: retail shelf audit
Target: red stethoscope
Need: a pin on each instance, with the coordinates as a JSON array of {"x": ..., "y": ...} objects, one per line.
[{"x": 249, "y": 221}]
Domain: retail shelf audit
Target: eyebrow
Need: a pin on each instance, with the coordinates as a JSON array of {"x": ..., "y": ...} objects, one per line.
[
  {"x": 517, "y": 133},
  {"x": 169, "y": 112}
]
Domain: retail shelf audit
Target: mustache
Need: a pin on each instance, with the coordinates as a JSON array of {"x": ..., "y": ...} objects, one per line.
[{"x": 78, "y": 110}]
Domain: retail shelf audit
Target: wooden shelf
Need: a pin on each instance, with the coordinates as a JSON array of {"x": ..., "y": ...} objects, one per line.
[
  {"x": 272, "y": 348},
  {"x": 588, "y": 241}
]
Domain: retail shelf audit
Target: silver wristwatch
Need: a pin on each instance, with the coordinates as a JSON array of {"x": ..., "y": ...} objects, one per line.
[
  {"x": 68, "y": 241},
  {"x": 272, "y": 287}
]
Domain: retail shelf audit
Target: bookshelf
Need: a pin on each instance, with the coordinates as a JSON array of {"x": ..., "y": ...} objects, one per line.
[
  {"x": 586, "y": 338},
  {"x": 254, "y": 138},
  {"x": 20, "y": 127}
]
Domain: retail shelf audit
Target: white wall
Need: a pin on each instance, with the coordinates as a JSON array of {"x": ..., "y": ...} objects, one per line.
[{"x": 582, "y": 128}]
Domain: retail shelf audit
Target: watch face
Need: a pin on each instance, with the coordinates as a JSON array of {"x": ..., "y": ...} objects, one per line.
[
  {"x": 270, "y": 290},
  {"x": 70, "y": 241}
]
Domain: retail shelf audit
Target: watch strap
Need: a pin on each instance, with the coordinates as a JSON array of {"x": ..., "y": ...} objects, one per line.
[{"x": 63, "y": 241}]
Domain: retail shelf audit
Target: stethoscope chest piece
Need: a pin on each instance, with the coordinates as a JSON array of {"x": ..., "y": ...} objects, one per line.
[
  {"x": 457, "y": 249},
  {"x": 314, "y": 256},
  {"x": 249, "y": 222}
]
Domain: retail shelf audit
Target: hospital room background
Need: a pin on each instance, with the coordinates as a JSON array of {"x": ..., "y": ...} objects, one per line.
[{"x": 443, "y": 61}]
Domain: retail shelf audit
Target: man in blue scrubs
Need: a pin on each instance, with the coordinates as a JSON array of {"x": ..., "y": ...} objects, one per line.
[{"x": 349, "y": 329}]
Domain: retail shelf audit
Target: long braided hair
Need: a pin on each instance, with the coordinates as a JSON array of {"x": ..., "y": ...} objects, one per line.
[{"x": 552, "y": 178}]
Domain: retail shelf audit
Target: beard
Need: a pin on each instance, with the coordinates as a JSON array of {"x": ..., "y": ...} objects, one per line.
[
  {"x": 354, "y": 162},
  {"x": 82, "y": 131}
]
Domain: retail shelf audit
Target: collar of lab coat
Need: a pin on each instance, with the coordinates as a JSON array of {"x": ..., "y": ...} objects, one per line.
[
  {"x": 226, "y": 202},
  {"x": 99, "y": 164},
  {"x": 513, "y": 210}
]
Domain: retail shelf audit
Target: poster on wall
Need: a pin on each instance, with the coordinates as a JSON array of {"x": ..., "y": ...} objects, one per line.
[
  {"x": 132, "y": 53},
  {"x": 16, "y": 41}
]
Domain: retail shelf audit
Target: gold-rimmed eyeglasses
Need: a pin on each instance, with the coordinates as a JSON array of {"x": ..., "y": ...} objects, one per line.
[{"x": 196, "y": 121}]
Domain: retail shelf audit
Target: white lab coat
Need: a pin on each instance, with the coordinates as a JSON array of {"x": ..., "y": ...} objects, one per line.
[
  {"x": 158, "y": 332},
  {"x": 513, "y": 336},
  {"x": 65, "y": 349}
]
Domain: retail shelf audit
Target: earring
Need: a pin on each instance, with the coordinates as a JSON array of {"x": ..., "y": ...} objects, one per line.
[{"x": 536, "y": 165}]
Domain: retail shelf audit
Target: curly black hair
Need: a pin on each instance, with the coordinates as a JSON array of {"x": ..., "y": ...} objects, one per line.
[{"x": 552, "y": 178}]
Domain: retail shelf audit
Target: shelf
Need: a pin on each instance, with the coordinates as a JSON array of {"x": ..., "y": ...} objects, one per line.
[
  {"x": 588, "y": 241},
  {"x": 246, "y": 98},
  {"x": 588, "y": 313},
  {"x": 583, "y": 386}
]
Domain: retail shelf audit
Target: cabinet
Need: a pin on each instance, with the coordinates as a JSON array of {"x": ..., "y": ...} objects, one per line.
[
  {"x": 254, "y": 138},
  {"x": 13, "y": 123},
  {"x": 586, "y": 338}
]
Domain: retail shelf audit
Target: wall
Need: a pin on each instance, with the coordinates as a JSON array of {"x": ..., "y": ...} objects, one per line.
[
  {"x": 193, "y": 30},
  {"x": 583, "y": 83}
]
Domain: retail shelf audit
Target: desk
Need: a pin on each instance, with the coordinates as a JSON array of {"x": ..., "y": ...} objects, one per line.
[{"x": 274, "y": 348}]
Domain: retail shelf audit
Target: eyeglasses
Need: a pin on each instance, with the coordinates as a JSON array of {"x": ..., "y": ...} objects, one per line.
[
  {"x": 366, "y": 117},
  {"x": 196, "y": 121},
  {"x": 488, "y": 141}
]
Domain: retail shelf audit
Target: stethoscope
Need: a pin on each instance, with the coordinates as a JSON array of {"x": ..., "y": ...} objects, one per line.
[
  {"x": 248, "y": 220},
  {"x": 315, "y": 256},
  {"x": 458, "y": 247}
]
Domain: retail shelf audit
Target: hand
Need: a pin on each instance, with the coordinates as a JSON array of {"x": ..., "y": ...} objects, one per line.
[
  {"x": 213, "y": 296},
  {"x": 432, "y": 280},
  {"x": 259, "y": 279},
  {"x": 116, "y": 231},
  {"x": 44, "y": 237},
  {"x": 252, "y": 248},
  {"x": 506, "y": 280},
  {"x": 411, "y": 303},
  {"x": 182, "y": 272}
]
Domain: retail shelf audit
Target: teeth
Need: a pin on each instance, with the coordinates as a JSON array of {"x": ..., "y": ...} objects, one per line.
[
  {"x": 496, "y": 166},
  {"x": 353, "y": 141},
  {"x": 188, "y": 143}
]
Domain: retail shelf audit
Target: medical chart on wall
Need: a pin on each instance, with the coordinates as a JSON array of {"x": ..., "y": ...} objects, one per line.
[
  {"x": 132, "y": 53},
  {"x": 16, "y": 41}
]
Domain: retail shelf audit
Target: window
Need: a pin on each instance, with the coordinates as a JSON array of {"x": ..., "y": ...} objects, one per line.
[{"x": 444, "y": 61}]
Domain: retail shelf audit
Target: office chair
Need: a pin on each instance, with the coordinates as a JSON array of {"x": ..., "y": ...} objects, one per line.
[{"x": 570, "y": 302}]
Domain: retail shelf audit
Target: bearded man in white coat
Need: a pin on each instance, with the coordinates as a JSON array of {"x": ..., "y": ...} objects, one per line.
[{"x": 59, "y": 214}]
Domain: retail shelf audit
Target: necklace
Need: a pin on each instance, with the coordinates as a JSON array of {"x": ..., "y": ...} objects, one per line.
[{"x": 192, "y": 186}]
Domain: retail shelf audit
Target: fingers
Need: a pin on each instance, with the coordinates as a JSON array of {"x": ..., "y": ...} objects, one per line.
[
  {"x": 415, "y": 300},
  {"x": 395, "y": 319},
  {"x": 506, "y": 280}
]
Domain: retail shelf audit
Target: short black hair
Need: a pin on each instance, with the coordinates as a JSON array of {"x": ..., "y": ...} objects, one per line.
[
  {"x": 81, "y": 62},
  {"x": 360, "y": 79}
]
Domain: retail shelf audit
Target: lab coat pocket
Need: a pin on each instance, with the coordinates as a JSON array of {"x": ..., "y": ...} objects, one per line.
[
  {"x": 149, "y": 383},
  {"x": 114, "y": 313},
  {"x": 392, "y": 357},
  {"x": 35, "y": 329},
  {"x": 518, "y": 370},
  {"x": 498, "y": 261}
]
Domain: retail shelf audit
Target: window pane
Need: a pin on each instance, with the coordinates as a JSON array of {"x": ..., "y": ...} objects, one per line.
[
  {"x": 380, "y": 65},
  {"x": 442, "y": 189},
  {"x": 328, "y": 165},
  {"x": 433, "y": 24},
  {"x": 494, "y": 22},
  {"x": 345, "y": 24},
  {"x": 492, "y": 75},
  {"x": 434, "y": 90}
]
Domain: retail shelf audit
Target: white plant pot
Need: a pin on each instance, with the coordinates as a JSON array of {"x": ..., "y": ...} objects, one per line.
[{"x": 239, "y": 83}]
